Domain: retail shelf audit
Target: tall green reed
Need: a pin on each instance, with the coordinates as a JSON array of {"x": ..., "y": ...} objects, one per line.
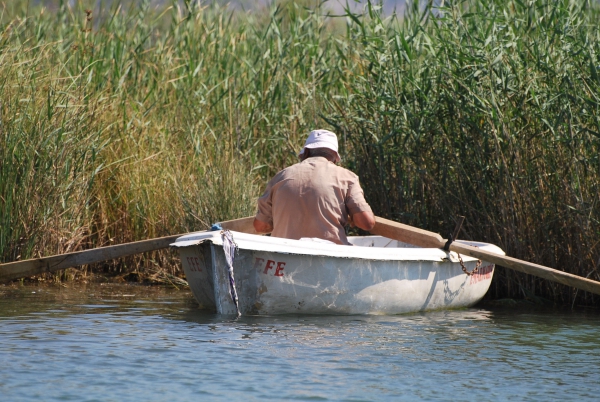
[
  {"x": 48, "y": 157},
  {"x": 489, "y": 110},
  {"x": 191, "y": 105}
]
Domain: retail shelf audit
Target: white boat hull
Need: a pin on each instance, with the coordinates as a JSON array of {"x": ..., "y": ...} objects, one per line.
[{"x": 315, "y": 278}]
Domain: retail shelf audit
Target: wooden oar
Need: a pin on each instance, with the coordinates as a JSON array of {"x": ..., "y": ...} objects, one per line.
[
  {"x": 423, "y": 238},
  {"x": 36, "y": 266},
  {"x": 383, "y": 227}
]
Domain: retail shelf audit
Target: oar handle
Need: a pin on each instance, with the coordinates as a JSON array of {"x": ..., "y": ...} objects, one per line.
[
  {"x": 407, "y": 234},
  {"x": 244, "y": 225}
]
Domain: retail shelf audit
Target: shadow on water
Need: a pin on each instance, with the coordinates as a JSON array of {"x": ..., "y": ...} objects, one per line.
[
  {"x": 179, "y": 303},
  {"x": 86, "y": 298}
]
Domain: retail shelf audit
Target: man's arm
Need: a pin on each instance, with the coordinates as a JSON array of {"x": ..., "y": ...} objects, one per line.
[
  {"x": 264, "y": 227},
  {"x": 364, "y": 220}
]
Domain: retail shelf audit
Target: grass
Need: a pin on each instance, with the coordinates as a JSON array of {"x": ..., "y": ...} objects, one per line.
[{"x": 137, "y": 121}]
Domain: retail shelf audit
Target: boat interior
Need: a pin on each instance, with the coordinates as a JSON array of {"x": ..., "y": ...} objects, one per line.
[{"x": 378, "y": 241}]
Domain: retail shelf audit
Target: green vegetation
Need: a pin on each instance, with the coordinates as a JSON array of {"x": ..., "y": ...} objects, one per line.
[{"x": 141, "y": 121}]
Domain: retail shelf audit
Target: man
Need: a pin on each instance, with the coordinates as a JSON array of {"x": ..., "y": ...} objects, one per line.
[{"x": 314, "y": 198}]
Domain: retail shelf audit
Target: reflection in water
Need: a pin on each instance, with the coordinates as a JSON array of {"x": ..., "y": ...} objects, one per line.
[{"x": 140, "y": 343}]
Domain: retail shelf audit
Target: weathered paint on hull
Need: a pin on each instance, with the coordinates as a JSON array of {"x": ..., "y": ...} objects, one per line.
[{"x": 284, "y": 283}]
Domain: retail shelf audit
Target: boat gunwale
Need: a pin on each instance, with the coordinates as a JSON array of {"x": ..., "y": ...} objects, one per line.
[{"x": 318, "y": 247}]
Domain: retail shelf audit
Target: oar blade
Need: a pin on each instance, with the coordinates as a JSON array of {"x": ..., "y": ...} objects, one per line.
[
  {"x": 36, "y": 266},
  {"x": 21, "y": 269},
  {"x": 424, "y": 238},
  {"x": 530, "y": 268}
]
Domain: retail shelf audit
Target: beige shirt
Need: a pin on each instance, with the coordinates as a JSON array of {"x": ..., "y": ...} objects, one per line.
[{"x": 312, "y": 199}]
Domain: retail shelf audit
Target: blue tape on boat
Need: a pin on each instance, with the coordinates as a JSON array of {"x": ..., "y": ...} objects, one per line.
[
  {"x": 229, "y": 247},
  {"x": 216, "y": 226}
]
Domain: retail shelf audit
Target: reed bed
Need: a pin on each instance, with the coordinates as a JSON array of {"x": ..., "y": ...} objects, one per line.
[
  {"x": 141, "y": 120},
  {"x": 490, "y": 110},
  {"x": 162, "y": 120}
]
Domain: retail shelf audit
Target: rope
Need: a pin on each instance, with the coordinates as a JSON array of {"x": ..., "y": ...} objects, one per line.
[{"x": 230, "y": 247}]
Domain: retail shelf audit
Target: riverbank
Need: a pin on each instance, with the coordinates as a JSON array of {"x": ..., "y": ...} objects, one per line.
[{"x": 126, "y": 124}]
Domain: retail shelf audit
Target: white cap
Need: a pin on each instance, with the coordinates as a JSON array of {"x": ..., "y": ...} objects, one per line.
[{"x": 322, "y": 139}]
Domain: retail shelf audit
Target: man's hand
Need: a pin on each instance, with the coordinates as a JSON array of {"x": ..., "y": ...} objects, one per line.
[
  {"x": 262, "y": 227},
  {"x": 364, "y": 220}
]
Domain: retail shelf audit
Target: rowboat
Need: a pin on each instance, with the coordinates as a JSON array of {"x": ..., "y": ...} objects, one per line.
[{"x": 232, "y": 272}]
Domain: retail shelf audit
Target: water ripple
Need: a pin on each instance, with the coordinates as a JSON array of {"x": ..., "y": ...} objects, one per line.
[{"x": 130, "y": 344}]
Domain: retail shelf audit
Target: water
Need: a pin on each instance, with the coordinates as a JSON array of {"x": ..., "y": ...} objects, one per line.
[{"x": 132, "y": 343}]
